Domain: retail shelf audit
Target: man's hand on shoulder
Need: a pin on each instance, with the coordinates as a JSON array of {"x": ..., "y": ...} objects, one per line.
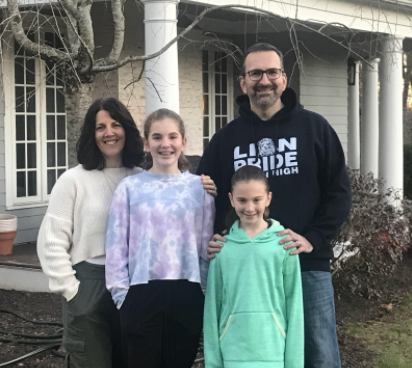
[
  {"x": 298, "y": 241},
  {"x": 215, "y": 247}
]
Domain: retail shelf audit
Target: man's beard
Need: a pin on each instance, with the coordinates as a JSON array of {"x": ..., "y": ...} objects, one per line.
[{"x": 264, "y": 102}]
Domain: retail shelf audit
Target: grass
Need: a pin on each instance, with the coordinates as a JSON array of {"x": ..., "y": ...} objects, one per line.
[{"x": 390, "y": 338}]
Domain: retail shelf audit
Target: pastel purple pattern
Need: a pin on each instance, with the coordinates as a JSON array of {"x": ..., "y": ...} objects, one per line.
[{"x": 159, "y": 227}]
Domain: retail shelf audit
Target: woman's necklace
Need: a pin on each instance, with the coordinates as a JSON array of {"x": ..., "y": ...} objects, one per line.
[{"x": 109, "y": 181}]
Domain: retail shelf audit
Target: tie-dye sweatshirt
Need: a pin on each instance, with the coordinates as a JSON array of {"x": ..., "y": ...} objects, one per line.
[{"x": 159, "y": 227}]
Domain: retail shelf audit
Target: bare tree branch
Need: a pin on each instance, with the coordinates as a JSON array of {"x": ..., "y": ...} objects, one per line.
[
  {"x": 119, "y": 29},
  {"x": 16, "y": 25},
  {"x": 119, "y": 64}
]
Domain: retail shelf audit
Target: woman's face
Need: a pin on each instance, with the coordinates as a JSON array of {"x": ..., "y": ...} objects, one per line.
[{"x": 110, "y": 138}]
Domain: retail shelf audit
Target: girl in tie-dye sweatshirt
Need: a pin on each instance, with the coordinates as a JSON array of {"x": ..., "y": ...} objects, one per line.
[{"x": 159, "y": 226}]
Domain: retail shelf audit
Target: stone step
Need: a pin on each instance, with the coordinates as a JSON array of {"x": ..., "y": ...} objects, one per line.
[{"x": 23, "y": 278}]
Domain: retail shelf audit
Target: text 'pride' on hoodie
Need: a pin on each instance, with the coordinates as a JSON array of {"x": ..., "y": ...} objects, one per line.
[{"x": 254, "y": 309}]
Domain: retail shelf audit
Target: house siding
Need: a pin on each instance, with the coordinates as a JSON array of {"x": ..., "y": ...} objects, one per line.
[{"x": 324, "y": 89}]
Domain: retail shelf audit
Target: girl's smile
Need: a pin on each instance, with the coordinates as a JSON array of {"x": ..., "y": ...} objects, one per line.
[{"x": 165, "y": 143}]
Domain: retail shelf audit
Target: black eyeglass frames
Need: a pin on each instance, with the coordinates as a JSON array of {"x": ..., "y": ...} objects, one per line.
[{"x": 257, "y": 74}]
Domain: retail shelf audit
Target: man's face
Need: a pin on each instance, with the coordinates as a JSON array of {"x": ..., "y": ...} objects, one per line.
[{"x": 265, "y": 93}]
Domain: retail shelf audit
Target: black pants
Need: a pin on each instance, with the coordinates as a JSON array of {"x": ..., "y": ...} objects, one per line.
[
  {"x": 162, "y": 322},
  {"x": 92, "y": 334}
]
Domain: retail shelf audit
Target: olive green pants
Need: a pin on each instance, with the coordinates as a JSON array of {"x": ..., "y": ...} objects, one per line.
[{"x": 92, "y": 333}]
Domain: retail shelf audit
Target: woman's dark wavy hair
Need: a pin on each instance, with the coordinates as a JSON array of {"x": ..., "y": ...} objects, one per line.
[
  {"x": 89, "y": 154},
  {"x": 247, "y": 173},
  {"x": 158, "y": 115}
]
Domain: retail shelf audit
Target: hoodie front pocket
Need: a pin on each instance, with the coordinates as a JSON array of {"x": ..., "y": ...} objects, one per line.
[{"x": 252, "y": 337}]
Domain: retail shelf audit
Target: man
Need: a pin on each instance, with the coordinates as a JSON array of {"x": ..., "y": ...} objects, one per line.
[{"x": 304, "y": 162}]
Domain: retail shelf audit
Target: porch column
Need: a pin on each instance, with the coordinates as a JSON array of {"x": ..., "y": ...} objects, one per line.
[
  {"x": 162, "y": 72},
  {"x": 370, "y": 119},
  {"x": 391, "y": 114},
  {"x": 353, "y": 120}
]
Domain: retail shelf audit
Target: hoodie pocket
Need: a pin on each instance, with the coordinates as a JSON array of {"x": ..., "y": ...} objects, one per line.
[{"x": 253, "y": 337}]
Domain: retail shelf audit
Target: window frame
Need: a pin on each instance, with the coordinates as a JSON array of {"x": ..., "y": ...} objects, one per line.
[
  {"x": 41, "y": 198},
  {"x": 212, "y": 92}
]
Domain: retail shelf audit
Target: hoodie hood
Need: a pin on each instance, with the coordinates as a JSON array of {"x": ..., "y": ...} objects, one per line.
[
  {"x": 288, "y": 98},
  {"x": 238, "y": 235}
]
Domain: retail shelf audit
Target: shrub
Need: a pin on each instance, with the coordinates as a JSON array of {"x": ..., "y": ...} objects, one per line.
[
  {"x": 407, "y": 170},
  {"x": 376, "y": 233}
]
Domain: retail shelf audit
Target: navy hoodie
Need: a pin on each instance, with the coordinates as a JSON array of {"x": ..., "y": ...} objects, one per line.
[{"x": 303, "y": 159}]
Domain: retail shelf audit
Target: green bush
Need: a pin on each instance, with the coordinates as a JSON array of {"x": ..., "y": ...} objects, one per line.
[{"x": 407, "y": 170}]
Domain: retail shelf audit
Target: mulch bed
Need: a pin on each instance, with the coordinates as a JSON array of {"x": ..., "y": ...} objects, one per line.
[{"x": 349, "y": 308}]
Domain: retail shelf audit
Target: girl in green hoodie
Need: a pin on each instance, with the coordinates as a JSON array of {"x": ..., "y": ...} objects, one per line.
[{"x": 254, "y": 310}]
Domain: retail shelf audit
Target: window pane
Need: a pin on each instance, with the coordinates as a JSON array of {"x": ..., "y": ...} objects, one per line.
[
  {"x": 224, "y": 105},
  {"x": 31, "y": 155},
  {"x": 218, "y": 62},
  {"x": 19, "y": 71},
  {"x": 31, "y": 127},
  {"x": 49, "y": 73},
  {"x": 20, "y": 99},
  {"x": 205, "y": 142},
  {"x": 60, "y": 100},
  {"x": 51, "y": 129},
  {"x": 224, "y": 83},
  {"x": 51, "y": 179},
  {"x": 61, "y": 127},
  {"x": 30, "y": 77},
  {"x": 217, "y": 124},
  {"x": 205, "y": 126},
  {"x": 31, "y": 183},
  {"x": 224, "y": 63},
  {"x": 205, "y": 105},
  {"x": 31, "y": 99},
  {"x": 21, "y": 184},
  {"x": 205, "y": 83},
  {"x": 49, "y": 39},
  {"x": 50, "y": 99},
  {"x": 59, "y": 172},
  {"x": 224, "y": 122},
  {"x": 217, "y": 105},
  {"x": 217, "y": 83},
  {"x": 205, "y": 60},
  {"x": 20, "y": 131},
  {"x": 61, "y": 154},
  {"x": 51, "y": 155},
  {"x": 20, "y": 156}
]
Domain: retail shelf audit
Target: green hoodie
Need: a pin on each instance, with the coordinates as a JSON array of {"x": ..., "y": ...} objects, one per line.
[{"x": 254, "y": 309}]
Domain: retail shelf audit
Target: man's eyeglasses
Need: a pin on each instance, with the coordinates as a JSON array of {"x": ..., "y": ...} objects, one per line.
[{"x": 257, "y": 74}]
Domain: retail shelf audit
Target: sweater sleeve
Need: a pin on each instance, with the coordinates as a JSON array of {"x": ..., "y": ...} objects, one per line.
[
  {"x": 335, "y": 201},
  {"x": 117, "y": 246},
  {"x": 56, "y": 236},
  {"x": 207, "y": 233},
  {"x": 213, "y": 305},
  {"x": 292, "y": 284}
]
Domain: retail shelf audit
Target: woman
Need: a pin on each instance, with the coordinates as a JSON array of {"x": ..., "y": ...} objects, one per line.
[{"x": 73, "y": 233}]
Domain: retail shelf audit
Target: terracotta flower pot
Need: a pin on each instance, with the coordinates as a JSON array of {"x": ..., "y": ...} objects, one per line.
[
  {"x": 6, "y": 242},
  {"x": 8, "y": 230}
]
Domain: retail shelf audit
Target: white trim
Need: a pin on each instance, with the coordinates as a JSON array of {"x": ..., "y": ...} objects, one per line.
[{"x": 24, "y": 206}]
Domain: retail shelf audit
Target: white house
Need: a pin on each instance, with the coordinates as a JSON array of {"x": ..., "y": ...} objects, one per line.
[{"x": 198, "y": 79}]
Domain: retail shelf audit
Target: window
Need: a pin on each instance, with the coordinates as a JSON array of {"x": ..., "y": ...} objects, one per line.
[
  {"x": 35, "y": 127},
  {"x": 217, "y": 92}
]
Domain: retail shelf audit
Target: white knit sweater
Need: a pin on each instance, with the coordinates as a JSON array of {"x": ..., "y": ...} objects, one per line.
[{"x": 74, "y": 227}]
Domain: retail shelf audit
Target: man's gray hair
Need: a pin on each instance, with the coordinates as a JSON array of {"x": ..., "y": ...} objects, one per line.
[{"x": 258, "y": 47}]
